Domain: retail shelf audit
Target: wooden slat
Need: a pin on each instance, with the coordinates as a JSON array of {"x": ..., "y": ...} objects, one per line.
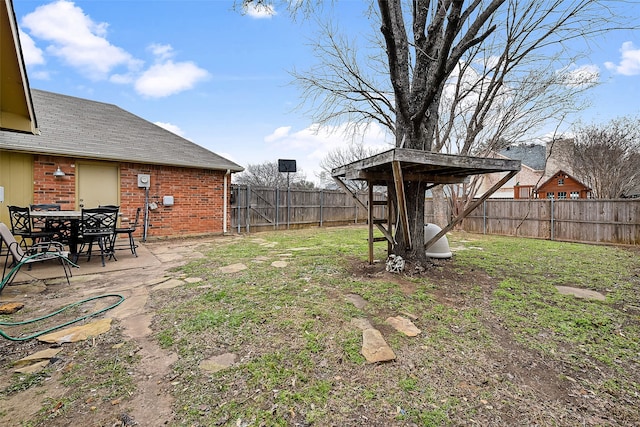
[{"x": 398, "y": 180}]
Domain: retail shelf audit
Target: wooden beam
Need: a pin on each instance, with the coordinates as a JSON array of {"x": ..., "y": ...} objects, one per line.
[
  {"x": 471, "y": 207},
  {"x": 398, "y": 181},
  {"x": 348, "y": 191},
  {"x": 412, "y": 176},
  {"x": 427, "y": 163},
  {"x": 342, "y": 185},
  {"x": 455, "y": 160},
  {"x": 370, "y": 217}
]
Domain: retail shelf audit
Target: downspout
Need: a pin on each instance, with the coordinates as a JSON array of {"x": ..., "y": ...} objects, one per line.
[{"x": 225, "y": 201}]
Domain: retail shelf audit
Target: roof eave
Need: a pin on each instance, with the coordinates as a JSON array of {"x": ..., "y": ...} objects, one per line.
[{"x": 16, "y": 106}]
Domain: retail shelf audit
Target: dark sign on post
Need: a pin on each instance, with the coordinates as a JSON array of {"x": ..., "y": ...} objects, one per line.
[{"x": 286, "y": 165}]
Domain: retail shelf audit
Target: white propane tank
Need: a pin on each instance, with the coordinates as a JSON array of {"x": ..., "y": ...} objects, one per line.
[{"x": 440, "y": 249}]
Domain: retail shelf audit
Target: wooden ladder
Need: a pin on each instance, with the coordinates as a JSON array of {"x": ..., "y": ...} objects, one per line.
[{"x": 383, "y": 224}]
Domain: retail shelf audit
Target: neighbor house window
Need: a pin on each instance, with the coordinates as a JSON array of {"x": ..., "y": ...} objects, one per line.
[
  {"x": 562, "y": 194},
  {"x": 575, "y": 194},
  {"x": 550, "y": 195},
  {"x": 560, "y": 181}
]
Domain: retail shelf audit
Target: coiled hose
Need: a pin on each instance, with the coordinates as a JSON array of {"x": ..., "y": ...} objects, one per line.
[{"x": 62, "y": 325}]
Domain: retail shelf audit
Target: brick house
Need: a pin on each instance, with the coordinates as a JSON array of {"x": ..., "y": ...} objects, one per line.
[
  {"x": 89, "y": 153},
  {"x": 561, "y": 185},
  {"x": 532, "y": 158}
]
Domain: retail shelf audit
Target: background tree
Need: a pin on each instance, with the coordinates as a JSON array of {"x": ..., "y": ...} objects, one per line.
[
  {"x": 345, "y": 155},
  {"x": 418, "y": 60},
  {"x": 607, "y": 158},
  {"x": 266, "y": 175}
]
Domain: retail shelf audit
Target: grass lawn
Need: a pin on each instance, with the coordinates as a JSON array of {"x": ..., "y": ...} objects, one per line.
[{"x": 499, "y": 344}]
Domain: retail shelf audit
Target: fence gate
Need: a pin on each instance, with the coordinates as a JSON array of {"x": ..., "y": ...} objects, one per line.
[{"x": 263, "y": 208}]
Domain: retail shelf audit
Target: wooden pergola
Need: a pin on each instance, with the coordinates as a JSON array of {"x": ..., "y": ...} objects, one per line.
[{"x": 402, "y": 164}]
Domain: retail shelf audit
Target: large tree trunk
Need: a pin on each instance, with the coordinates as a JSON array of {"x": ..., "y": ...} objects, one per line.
[
  {"x": 440, "y": 207},
  {"x": 414, "y": 249}
]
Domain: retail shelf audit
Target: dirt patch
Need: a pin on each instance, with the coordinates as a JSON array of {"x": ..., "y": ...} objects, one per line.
[{"x": 520, "y": 380}]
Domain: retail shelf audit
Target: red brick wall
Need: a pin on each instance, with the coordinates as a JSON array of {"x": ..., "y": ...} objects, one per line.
[{"x": 198, "y": 195}]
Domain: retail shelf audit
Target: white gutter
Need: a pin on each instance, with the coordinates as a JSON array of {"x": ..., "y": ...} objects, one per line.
[{"x": 224, "y": 203}]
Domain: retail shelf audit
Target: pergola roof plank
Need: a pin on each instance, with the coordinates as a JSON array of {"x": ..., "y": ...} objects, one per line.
[{"x": 425, "y": 165}]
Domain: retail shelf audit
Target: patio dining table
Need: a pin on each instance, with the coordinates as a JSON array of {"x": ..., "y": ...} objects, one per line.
[{"x": 66, "y": 223}]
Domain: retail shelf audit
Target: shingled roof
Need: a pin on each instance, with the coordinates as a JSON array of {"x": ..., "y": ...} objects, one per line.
[
  {"x": 532, "y": 155},
  {"x": 82, "y": 128}
]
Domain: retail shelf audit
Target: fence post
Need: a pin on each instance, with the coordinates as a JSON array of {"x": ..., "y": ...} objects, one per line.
[
  {"x": 356, "y": 211},
  {"x": 484, "y": 217},
  {"x": 288, "y": 206},
  {"x": 552, "y": 221},
  {"x": 321, "y": 203},
  {"x": 248, "y": 201},
  {"x": 277, "y": 208},
  {"x": 238, "y": 210}
]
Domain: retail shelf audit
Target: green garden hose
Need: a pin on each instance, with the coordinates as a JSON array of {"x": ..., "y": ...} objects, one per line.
[{"x": 53, "y": 328}]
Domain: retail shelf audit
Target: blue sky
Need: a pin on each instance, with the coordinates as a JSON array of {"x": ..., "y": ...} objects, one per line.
[{"x": 221, "y": 79}]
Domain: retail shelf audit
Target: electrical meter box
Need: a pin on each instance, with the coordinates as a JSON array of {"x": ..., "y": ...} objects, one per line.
[{"x": 144, "y": 180}]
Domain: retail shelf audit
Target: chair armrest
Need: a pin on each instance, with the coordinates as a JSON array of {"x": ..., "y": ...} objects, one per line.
[{"x": 50, "y": 246}]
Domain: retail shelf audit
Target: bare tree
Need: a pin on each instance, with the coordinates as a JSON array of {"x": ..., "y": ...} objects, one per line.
[
  {"x": 267, "y": 175},
  {"x": 422, "y": 44},
  {"x": 345, "y": 155},
  {"x": 607, "y": 158}
]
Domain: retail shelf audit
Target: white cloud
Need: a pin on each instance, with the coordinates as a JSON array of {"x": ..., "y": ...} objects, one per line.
[
  {"x": 31, "y": 53},
  {"x": 161, "y": 51},
  {"x": 171, "y": 128},
  {"x": 277, "y": 134},
  {"x": 629, "y": 62},
  {"x": 260, "y": 11},
  {"x": 77, "y": 39},
  {"x": 40, "y": 75},
  {"x": 312, "y": 144},
  {"x": 82, "y": 43},
  {"x": 584, "y": 76},
  {"x": 169, "y": 78}
]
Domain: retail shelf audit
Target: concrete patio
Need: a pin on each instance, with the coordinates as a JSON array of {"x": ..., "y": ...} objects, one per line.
[
  {"x": 126, "y": 261},
  {"x": 44, "y": 289}
]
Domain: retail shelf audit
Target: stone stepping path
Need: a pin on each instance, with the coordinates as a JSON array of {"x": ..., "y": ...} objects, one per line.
[
  {"x": 581, "y": 293},
  {"x": 403, "y": 325},
  {"x": 218, "y": 363},
  {"x": 374, "y": 347},
  {"x": 232, "y": 268}
]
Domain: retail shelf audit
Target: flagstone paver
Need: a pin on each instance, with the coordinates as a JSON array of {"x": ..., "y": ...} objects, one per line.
[{"x": 404, "y": 325}]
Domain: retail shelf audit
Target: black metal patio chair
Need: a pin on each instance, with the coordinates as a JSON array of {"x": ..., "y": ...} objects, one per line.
[
  {"x": 98, "y": 225},
  {"x": 45, "y": 251},
  {"x": 22, "y": 225},
  {"x": 60, "y": 229},
  {"x": 129, "y": 230}
]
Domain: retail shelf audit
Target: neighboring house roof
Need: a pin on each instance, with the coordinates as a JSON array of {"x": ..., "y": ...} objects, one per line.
[
  {"x": 561, "y": 172},
  {"x": 77, "y": 127},
  {"x": 532, "y": 155},
  {"x": 16, "y": 108}
]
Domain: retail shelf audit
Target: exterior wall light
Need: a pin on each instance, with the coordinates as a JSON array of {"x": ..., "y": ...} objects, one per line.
[{"x": 59, "y": 173}]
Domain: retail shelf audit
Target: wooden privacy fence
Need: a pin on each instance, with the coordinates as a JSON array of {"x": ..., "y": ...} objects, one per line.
[
  {"x": 267, "y": 208},
  {"x": 582, "y": 220}
]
